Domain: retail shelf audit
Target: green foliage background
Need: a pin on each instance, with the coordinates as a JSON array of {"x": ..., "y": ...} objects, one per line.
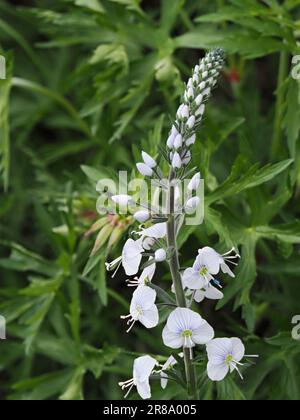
[{"x": 91, "y": 82}]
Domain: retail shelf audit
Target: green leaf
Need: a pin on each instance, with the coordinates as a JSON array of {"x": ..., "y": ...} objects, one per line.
[
  {"x": 252, "y": 178},
  {"x": 94, "y": 5},
  {"x": 289, "y": 232}
]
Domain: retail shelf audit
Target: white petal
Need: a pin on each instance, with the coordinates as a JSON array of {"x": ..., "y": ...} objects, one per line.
[
  {"x": 147, "y": 273},
  {"x": 150, "y": 317},
  {"x": 199, "y": 296},
  {"x": 142, "y": 216},
  {"x": 121, "y": 199},
  {"x": 149, "y": 161},
  {"x": 203, "y": 334},
  {"x": 131, "y": 256},
  {"x": 182, "y": 319},
  {"x": 218, "y": 349},
  {"x": 238, "y": 349},
  {"x": 157, "y": 231},
  {"x": 211, "y": 259},
  {"x": 143, "y": 296},
  {"x": 144, "y": 390},
  {"x": 217, "y": 372},
  {"x": 143, "y": 367},
  {"x": 160, "y": 255},
  {"x": 144, "y": 169},
  {"x": 172, "y": 339},
  {"x": 213, "y": 293},
  {"x": 226, "y": 270},
  {"x": 192, "y": 279}
]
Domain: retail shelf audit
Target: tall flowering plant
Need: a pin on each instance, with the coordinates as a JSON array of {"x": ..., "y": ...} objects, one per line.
[{"x": 156, "y": 242}]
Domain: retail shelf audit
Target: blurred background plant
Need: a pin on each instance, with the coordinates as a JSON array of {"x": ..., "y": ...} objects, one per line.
[{"x": 88, "y": 84}]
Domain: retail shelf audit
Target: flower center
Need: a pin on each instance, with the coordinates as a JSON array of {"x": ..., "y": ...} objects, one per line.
[
  {"x": 229, "y": 359},
  {"x": 187, "y": 334},
  {"x": 139, "y": 310},
  {"x": 203, "y": 271}
]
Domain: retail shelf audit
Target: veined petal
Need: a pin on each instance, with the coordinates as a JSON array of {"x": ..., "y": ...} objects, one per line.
[
  {"x": 218, "y": 349},
  {"x": 199, "y": 296},
  {"x": 217, "y": 372},
  {"x": 131, "y": 256},
  {"x": 144, "y": 297},
  {"x": 144, "y": 390},
  {"x": 238, "y": 349},
  {"x": 150, "y": 317},
  {"x": 213, "y": 293},
  {"x": 203, "y": 334},
  {"x": 143, "y": 367},
  {"x": 211, "y": 259},
  {"x": 172, "y": 339},
  {"x": 192, "y": 279}
]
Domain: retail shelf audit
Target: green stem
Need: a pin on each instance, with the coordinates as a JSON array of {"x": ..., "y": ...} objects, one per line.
[
  {"x": 176, "y": 277},
  {"x": 279, "y": 108}
]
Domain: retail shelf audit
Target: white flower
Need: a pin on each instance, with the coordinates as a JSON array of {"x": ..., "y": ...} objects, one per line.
[
  {"x": 144, "y": 169},
  {"x": 149, "y": 161},
  {"x": 209, "y": 292},
  {"x": 171, "y": 138},
  {"x": 143, "y": 308},
  {"x": 203, "y": 270},
  {"x": 157, "y": 231},
  {"x": 132, "y": 256},
  {"x": 176, "y": 161},
  {"x": 191, "y": 122},
  {"x": 194, "y": 182},
  {"x": 167, "y": 366},
  {"x": 192, "y": 204},
  {"x": 142, "y": 370},
  {"x": 121, "y": 199},
  {"x": 186, "y": 328},
  {"x": 224, "y": 355},
  {"x": 222, "y": 260},
  {"x": 142, "y": 216},
  {"x": 160, "y": 255}
]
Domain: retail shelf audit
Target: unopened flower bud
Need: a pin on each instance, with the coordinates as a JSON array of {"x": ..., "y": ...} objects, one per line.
[
  {"x": 160, "y": 255},
  {"x": 144, "y": 169},
  {"x": 149, "y": 161},
  {"x": 142, "y": 216}
]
